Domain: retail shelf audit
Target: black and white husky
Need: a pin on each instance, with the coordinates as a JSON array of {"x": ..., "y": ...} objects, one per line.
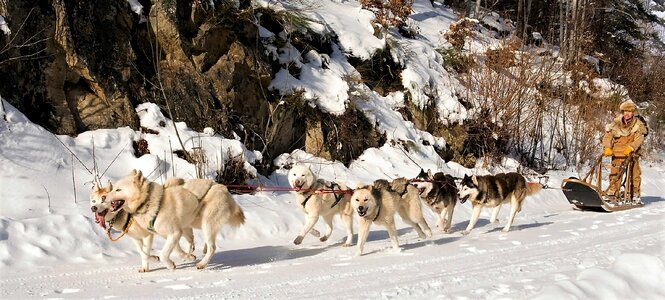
[
  {"x": 440, "y": 195},
  {"x": 494, "y": 190}
]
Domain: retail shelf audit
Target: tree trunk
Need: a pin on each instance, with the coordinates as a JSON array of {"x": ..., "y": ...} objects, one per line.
[
  {"x": 520, "y": 19},
  {"x": 476, "y": 12},
  {"x": 526, "y": 18}
]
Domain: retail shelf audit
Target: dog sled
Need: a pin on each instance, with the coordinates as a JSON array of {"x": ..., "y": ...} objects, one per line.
[{"x": 584, "y": 194}]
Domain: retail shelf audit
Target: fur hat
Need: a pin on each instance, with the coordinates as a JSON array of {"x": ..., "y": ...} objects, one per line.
[{"x": 628, "y": 105}]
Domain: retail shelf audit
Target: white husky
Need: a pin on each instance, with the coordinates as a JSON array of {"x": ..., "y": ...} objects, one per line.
[
  {"x": 316, "y": 204},
  {"x": 122, "y": 221},
  {"x": 199, "y": 203}
]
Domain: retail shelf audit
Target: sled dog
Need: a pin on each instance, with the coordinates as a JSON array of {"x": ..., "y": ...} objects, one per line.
[
  {"x": 378, "y": 203},
  {"x": 316, "y": 204},
  {"x": 199, "y": 203},
  {"x": 440, "y": 195},
  {"x": 121, "y": 221},
  {"x": 494, "y": 190},
  {"x": 410, "y": 207}
]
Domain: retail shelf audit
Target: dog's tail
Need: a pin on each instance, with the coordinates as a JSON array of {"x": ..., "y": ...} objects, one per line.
[
  {"x": 533, "y": 187},
  {"x": 173, "y": 181},
  {"x": 399, "y": 185},
  {"x": 236, "y": 216}
]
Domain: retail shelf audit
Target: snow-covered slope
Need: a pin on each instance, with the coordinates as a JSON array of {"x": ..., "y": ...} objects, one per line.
[{"x": 552, "y": 251}]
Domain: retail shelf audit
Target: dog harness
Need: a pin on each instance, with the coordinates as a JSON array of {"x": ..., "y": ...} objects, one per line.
[
  {"x": 338, "y": 196},
  {"x": 151, "y": 224},
  {"x": 306, "y": 199}
]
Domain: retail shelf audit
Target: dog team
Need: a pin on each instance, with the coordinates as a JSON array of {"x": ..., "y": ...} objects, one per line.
[{"x": 141, "y": 209}]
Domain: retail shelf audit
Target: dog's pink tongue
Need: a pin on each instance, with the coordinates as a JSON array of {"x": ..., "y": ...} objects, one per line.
[{"x": 100, "y": 220}]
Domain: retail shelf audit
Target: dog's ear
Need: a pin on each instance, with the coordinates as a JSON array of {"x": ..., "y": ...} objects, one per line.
[
  {"x": 95, "y": 186},
  {"x": 474, "y": 179},
  {"x": 110, "y": 185},
  {"x": 429, "y": 174},
  {"x": 132, "y": 172}
]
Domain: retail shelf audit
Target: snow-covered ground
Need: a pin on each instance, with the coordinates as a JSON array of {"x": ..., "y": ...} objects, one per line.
[
  {"x": 50, "y": 246},
  {"x": 553, "y": 251}
]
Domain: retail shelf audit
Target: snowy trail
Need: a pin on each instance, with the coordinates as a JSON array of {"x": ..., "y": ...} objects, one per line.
[{"x": 541, "y": 249}]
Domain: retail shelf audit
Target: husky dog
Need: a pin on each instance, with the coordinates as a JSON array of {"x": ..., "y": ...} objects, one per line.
[
  {"x": 494, "y": 190},
  {"x": 377, "y": 204},
  {"x": 199, "y": 203},
  {"x": 120, "y": 220},
  {"x": 440, "y": 194},
  {"x": 410, "y": 208},
  {"x": 316, "y": 204}
]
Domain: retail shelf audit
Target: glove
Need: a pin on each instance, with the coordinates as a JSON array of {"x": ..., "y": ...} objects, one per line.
[
  {"x": 628, "y": 150},
  {"x": 607, "y": 152}
]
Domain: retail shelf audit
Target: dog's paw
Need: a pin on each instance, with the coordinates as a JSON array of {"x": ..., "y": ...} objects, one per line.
[
  {"x": 428, "y": 233},
  {"x": 505, "y": 230},
  {"x": 347, "y": 244},
  {"x": 201, "y": 266},
  {"x": 143, "y": 270},
  {"x": 170, "y": 265},
  {"x": 298, "y": 240},
  {"x": 447, "y": 230},
  {"x": 466, "y": 232},
  {"x": 188, "y": 257},
  {"x": 359, "y": 253},
  {"x": 323, "y": 238},
  {"x": 153, "y": 258},
  {"x": 494, "y": 221}
]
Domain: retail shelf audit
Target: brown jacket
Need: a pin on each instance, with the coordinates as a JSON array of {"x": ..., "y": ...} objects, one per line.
[{"x": 618, "y": 135}]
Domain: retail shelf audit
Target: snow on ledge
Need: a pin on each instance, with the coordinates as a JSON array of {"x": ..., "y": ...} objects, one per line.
[{"x": 4, "y": 26}]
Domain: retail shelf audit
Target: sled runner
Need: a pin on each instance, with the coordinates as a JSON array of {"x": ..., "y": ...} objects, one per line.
[{"x": 584, "y": 194}]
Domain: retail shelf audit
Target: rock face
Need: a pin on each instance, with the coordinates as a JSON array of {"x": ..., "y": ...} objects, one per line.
[
  {"x": 95, "y": 61},
  {"x": 77, "y": 65}
]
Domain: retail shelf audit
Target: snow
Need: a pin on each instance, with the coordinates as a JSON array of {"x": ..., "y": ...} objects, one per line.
[
  {"x": 4, "y": 27},
  {"x": 137, "y": 8},
  {"x": 552, "y": 252}
]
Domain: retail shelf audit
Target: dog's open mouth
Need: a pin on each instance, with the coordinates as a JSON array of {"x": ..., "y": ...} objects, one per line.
[
  {"x": 100, "y": 218},
  {"x": 297, "y": 188},
  {"x": 463, "y": 199},
  {"x": 117, "y": 204},
  {"x": 362, "y": 211}
]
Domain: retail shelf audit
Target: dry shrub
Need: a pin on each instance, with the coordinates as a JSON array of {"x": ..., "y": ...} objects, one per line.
[
  {"x": 453, "y": 59},
  {"x": 150, "y": 131},
  {"x": 459, "y": 31},
  {"x": 380, "y": 73},
  {"x": 388, "y": 13},
  {"x": 140, "y": 147},
  {"x": 347, "y": 136},
  {"x": 233, "y": 172},
  {"x": 503, "y": 57}
]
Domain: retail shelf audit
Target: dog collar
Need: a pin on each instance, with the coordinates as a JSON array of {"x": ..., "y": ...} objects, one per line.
[
  {"x": 125, "y": 228},
  {"x": 378, "y": 212}
]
